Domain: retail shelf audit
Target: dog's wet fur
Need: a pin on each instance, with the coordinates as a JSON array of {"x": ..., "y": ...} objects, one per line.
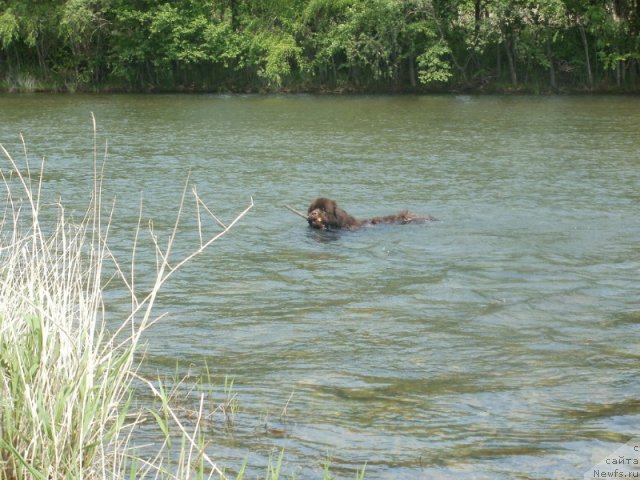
[{"x": 324, "y": 213}]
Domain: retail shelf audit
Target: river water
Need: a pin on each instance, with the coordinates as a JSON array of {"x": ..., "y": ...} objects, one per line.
[{"x": 501, "y": 341}]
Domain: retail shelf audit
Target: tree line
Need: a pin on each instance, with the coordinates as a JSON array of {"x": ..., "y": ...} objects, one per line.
[{"x": 320, "y": 45}]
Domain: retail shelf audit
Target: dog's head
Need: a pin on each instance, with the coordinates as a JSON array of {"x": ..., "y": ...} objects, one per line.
[{"x": 322, "y": 214}]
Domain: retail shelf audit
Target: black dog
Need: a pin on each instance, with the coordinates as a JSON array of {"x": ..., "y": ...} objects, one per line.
[{"x": 324, "y": 213}]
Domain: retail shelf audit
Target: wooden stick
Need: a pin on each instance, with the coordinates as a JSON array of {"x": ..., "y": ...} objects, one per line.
[{"x": 297, "y": 212}]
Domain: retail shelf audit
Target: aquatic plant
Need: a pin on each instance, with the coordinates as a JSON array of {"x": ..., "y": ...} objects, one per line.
[{"x": 66, "y": 374}]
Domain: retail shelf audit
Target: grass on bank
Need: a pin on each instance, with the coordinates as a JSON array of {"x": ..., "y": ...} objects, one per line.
[{"x": 66, "y": 380}]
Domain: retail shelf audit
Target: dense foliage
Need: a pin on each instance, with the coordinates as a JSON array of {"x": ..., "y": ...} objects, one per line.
[{"x": 316, "y": 45}]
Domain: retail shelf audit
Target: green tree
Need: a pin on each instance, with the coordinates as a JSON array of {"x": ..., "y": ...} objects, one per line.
[{"x": 349, "y": 44}]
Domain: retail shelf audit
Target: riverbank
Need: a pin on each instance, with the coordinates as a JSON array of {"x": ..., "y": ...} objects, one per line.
[
  {"x": 29, "y": 84},
  {"x": 38, "y": 87}
]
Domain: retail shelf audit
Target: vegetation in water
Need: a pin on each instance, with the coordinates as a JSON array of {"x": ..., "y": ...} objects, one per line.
[{"x": 320, "y": 45}]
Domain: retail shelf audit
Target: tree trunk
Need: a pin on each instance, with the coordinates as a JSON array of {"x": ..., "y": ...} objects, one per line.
[
  {"x": 619, "y": 72},
  {"x": 583, "y": 35},
  {"x": 42, "y": 59},
  {"x": 552, "y": 70},
  {"x": 334, "y": 70},
  {"x": 233, "y": 5},
  {"x": 477, "y": 16},
  {"x": 510, "y": 60},
  {"x": 412, "y": 72}
]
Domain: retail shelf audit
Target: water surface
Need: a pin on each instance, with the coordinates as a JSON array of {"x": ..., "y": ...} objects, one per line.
[{"x": 498, "y": 342}]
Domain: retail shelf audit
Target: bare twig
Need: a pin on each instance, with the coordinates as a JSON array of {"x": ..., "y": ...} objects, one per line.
[
  {"x": 200, "y": 202},
  {"x": 283, "y": 415},
  {"x": 297, "y": 212}
]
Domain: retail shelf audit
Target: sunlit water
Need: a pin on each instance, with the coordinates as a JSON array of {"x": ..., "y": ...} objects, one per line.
[{"x": 501, "y": 341}]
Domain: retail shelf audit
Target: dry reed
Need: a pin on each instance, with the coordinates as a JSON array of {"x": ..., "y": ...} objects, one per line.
[{"x": 66, "y": 376}]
